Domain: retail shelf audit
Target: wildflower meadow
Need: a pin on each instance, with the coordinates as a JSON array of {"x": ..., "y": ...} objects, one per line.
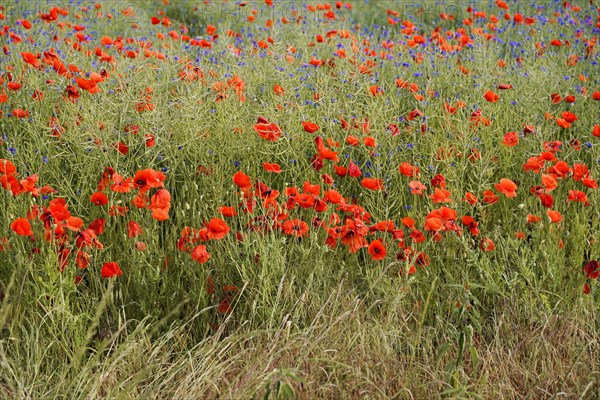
[{"x": 286, "y": 199}]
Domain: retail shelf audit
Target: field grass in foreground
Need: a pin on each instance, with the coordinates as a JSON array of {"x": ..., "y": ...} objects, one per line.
[{"x": 280, "y": 200}]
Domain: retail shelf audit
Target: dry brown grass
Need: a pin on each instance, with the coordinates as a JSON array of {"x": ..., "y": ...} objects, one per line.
[{"x": 347, "y": 354}]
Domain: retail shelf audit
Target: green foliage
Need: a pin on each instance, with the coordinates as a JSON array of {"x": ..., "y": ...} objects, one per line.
[{"x": 305, "y": 320}]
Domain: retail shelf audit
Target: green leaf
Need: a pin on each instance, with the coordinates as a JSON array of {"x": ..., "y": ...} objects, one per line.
[
  {"x": 286, "y": 392},
  {"x": 474, "y": 358}
]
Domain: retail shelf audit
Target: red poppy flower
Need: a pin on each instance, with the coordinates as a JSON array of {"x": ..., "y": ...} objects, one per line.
[
  {"x": 369, "y": 141},
  {"x": 217, "y": 229},
  {"x": 520, "y": 235},
  {"x": 434, "y": 224},
  {"x": 586, "y": 288},
  {"x": 133, "y": 229},
  {"x": 563, "y": 123},
  {"x": 150, "y": 140},
  {"x": 310, "y": 127},
  {"x": 160, "y": 214},
  {"x": 295, "y": 227},
  {"x": 305, "y": 200},
  {"x": 471, "y": 198},
  {"x": 580, "y": 171},
  {"x": 160, "y": 200},
  {"x": 242, "y": 180},
  {"x": 546, "y": 199},
  {"x": 439, "y": 181},
  {"x": 7, "y": 167},
  {"x": 272, "y": 168},
  {"x": 490, "y": 197},
  {"x": 227, "y": 211},
  {"x": 382, "y": 226},
  {"x": 449, "y": 108},
  {"x": 99, "y": 199},
  {"x": 269, "y": 131},
  {"x": 354, "y": 170},
  {"x": 533, "y": 164},
  {"x": 506, "y": 187},
  {"x": 487, "y": 244},
  {"x": 417, "y": 188},
  {"x": 320, "y": 206},
  {"x": 333, "y": 196},
  {"x": 328, "y": 154},
  {"x": 528, "y": 129},
  {"x": 578, "y": 196},
  {"x": 352, "y": 235},
  {"x": 375, "y": 90},
  {"x": 549, "y": 182},
  {"x": 372, "y": 183},
  {"x": 19, "y": 113},
  {"x": 554, "y": 216},
  {"x": 491, "y": 96},
  {"x": 416, "y": 113},
  {"x": 74, "y": 223},
  {"x": 111, "y": 269},
  {"x": 340, "y": 170},
  {"x": 121, "y": 147},
  {"x": 200, "y": 254},
  {"x": 88, "y": 84},
  {"x": 82, "y": 260},
  {"x": 592, "y": 269},
  {"x": 120, "y": 184},
  {"x": 441, "y": 196},
  {"x": 327, "y": 179},
  {"x": 21, "y": 227},
  {"x": 417, "y": 236},
  {"x": 31, "y": 59},
  {"x": 422, "y": 259},
  {"x": 316, "y": 161},
  {"x": 408, "y": 222},
  {"x": 279, "y": 91},
  {"x": 97, "y": 226},
  {"x": 408, "y": 169},
  {"x": 569, "y": 117},
  {"x": 511, "y": 139},
  {"x": 308, "y": 187},
  {"x": 561, "y": 169},
  {"x": 590, "y": 183},
  {"x": 88, "y": 238},
  {"x": 352, "y": 141},
  {"x": 471, "y": 224},
  {"x": 140, "y": 200},
  {"x": 315, "y": 62},
  {"x": 377, "y": 250},
  {"x": 146, "y": 179},
  {"x": 14, "y": 86},
  {"x": 225, "y": 305}
]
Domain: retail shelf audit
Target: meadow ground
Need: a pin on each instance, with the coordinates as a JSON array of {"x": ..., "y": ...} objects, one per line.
[{"x": 285, "y": 199}]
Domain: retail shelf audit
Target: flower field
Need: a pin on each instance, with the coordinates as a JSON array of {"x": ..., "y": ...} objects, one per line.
[{"x": 287, "y": 199}]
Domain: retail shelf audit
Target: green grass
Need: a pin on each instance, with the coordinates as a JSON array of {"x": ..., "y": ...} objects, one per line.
[{"x": 306, "y": 320}]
